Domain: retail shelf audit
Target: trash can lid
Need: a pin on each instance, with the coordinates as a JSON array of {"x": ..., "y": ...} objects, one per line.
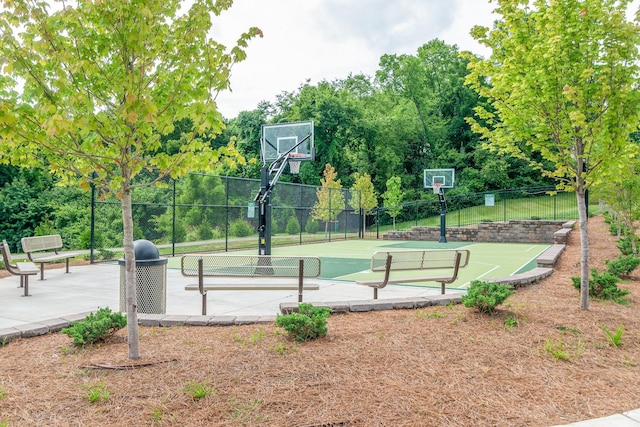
[{"x": 144, "y": 250}]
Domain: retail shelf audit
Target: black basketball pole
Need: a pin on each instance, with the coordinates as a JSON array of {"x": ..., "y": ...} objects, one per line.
[{"x": 443, "y": 216}]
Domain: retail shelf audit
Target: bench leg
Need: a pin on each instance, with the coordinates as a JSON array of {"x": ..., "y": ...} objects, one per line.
[
  {"x": 41, "y": 271},
  {"x": 442, "y": 288},
  {"x": 67, "y": 260},
  {"x": 204, "y": 304},
  {"x": 375, "y": 293},
  {"x": 24, "y": 282}
]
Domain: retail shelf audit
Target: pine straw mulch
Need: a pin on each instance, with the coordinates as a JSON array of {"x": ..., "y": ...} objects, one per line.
[{"x": 441, "y": 366}]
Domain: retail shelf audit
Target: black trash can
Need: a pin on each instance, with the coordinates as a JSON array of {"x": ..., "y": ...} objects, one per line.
[{"x": 151, "y": 279}]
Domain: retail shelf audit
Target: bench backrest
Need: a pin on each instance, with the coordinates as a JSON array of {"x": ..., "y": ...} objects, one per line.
[
  {"x": 6, "y": 254},
  {"x": 250, "y": 265},
  {"x": 420, "y": 260},
  {"x": 41, "y": 243}
]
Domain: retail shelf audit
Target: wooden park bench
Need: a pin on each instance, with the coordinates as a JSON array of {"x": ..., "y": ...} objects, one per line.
[
  {"x": 22, "y": 269},
  {"x": 249, "y": 272},
  {"x": 39, "y": 250},
  {"x": 439, "y": 265}
]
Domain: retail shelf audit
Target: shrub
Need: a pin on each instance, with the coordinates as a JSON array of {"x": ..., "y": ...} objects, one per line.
[
  {"x": 622, "y": 266},
  {"x": 95, "y": 326},
  {"x": 312, "y": 226},
  {"x": 293, "y": 226},
  {"x": 624, "y": 244},
  {"x": 486, "y": 296},
  {"x": 308, "y": 323},
  {"x": 241, "y": 228},
  {"x": 603, "y": 286}
]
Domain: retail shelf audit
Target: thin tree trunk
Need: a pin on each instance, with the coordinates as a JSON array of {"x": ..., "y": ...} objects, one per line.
[
  {"x": 130, "y": 276},
  {"x": 584, "y": 250}
]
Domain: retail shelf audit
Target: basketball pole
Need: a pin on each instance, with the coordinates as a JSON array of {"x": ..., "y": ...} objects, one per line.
[
  {"x": 443, "y": 216},
  {"x": 264, "y": 200}
]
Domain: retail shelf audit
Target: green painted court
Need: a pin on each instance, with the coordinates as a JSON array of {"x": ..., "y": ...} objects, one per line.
[{"x": 349, "y": 260}]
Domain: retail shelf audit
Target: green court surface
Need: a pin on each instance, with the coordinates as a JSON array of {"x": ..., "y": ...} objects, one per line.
[{"x": 349, "y": 260}]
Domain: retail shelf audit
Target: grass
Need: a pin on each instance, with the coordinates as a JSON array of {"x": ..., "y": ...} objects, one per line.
[
  {"x": 561, "y": 206},
  {"x": 197, "y": 391}
]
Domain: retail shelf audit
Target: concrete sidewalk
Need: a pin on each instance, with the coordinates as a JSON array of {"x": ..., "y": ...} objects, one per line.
[{"x": 62, "y": 298}]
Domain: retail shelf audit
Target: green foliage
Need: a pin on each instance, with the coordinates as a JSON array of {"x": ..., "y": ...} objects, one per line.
[
  {"x": 623, "y": 266},
  {"x": 95, "y": 326},
  {"x": 97, "y": 392},
  {"x": 614, "y": 338},
  {"x": 486, "y": 296},
  {"x": 625, "y": 245},
  {"x": 330, "y": 201},
  {"x": 393, "y": 197},
  {"x": 557, "y": 350},
  {"x": 293, "y": 226},
  {"x": 197, "y": 390},
  {"x": 241, "y": 228},
  {"x": 311, "y": 226},
  {"x": 603, "y": 286},
  {"x": 307, "y": 323},
  {"x": 3, "y": 392}
]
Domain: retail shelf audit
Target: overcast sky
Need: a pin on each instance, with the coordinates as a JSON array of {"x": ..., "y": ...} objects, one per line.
[{"x": 330, "y": 39}]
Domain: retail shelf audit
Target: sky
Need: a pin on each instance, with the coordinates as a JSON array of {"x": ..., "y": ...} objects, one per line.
[{"x": 319, "y": 40}]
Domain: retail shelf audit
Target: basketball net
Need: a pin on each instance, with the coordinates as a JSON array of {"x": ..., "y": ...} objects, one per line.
[
  {"x": 436, "y": 187},
  {"x": 294, "y": 163}
]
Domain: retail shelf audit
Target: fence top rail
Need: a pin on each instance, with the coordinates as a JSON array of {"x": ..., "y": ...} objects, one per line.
[{"x": 250, "y": 265}]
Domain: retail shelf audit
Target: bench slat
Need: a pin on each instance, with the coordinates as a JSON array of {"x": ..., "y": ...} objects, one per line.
[{"x": 252, "y": 287}]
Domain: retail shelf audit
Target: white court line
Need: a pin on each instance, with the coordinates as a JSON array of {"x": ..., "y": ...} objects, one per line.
[
  {"x": 534, "y": 257},
  {"x": 480, "y": 276}
]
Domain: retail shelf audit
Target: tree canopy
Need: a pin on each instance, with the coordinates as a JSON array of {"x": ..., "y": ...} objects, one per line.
[
  {"x": 90, "y": 88},
  {"x": 562, "y": 85}
]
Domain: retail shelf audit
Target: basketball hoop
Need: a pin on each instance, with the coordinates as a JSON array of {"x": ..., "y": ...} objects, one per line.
[
  {"x": 436, "y": 187},
  {"x": 294, "y": 163}
]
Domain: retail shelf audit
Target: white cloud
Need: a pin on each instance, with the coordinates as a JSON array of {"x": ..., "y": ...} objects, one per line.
[{"x": 330, "y": 39}]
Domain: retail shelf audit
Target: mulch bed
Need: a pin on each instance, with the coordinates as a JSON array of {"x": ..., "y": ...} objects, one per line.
[{"x": 441, "y": 366}]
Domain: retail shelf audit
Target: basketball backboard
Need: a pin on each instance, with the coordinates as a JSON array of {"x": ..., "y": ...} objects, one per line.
[
  {"x": 295, "y": 138},
  {"x": 444, "y": 177}
]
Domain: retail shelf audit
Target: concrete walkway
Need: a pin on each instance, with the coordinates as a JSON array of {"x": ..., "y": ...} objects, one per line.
[{"x": 62, "y": 298}]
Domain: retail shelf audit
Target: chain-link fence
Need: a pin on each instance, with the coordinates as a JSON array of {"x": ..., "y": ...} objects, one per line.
[
  {"x": 206, "y": 213},
  {"x": 540, "y": 203},
  {"x": 215, "y": 213}
]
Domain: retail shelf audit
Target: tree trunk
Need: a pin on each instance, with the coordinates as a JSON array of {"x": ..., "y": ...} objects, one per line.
[
  {"x": 584, "y": 250},
  {"x": 130, "y": 275}
]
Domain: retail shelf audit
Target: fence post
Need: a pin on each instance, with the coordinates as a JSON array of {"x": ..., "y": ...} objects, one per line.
[
  {"x": 504, "y": 205},
  {"x": 92, "y": 240},
  {"x": 173, "y": 220},
  {"x": 226, "y": 221}
]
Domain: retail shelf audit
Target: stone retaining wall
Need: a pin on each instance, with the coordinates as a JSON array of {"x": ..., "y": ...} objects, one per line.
[{"x": 521, "y": 231}]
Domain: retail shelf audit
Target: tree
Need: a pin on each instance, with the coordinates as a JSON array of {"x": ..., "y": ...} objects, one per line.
[
  {"x": 621, "y": 192},
  {"x": 330, "y": 198},
  {"x": 562, "y": 84},
  {"x": 89, "y": 89},
  {"x": 393, "y": 198},
  {"x": 363, "y": 196}
]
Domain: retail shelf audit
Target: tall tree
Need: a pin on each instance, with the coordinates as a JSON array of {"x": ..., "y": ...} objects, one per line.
[
  {"x": 88, "y": 89},
  {"x": 562, "y": 81},
  {"x": 330, "y": 201}
]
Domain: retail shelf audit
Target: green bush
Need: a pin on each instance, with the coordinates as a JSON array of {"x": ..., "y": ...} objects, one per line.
[
  {"x": 486, "y": 296},
  {"x": 293, "y": 226},
  {"x": 624, "y": 244},
  {"x": 95, "y": 326},
  {"x": 603, "y": 286},
  {"x": 623, "y": 266},
  {"x": 241, "y": 228},
  {"x": 308, "y": 323},
  {"x": 312, "y": 226}
]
